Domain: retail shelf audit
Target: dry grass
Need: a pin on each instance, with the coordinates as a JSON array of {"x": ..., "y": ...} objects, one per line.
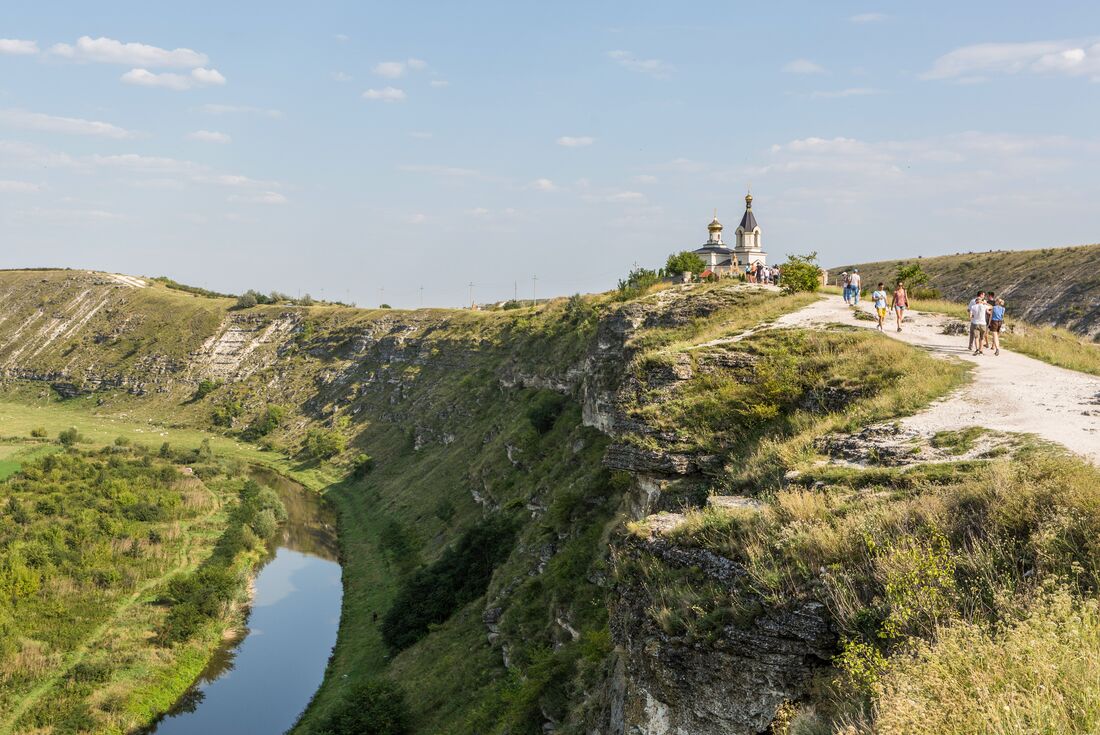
[{"x": 1040, "y": 674}]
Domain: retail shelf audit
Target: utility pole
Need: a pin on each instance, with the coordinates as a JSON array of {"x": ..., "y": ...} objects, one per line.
[
  {"x": 421, "y": 295},
  {"x": 515, "y": 291},
  {"x": 471, "y": 294},
  {"x": 534, "y": 291}
]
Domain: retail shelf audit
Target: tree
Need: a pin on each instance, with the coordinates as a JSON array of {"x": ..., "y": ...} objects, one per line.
[
  {"x": 911, "y": 274},
  {"x": 684, "y": 261},
  {"x": 801, "y": 273},
  {"x": 70, "y": 436},
  {"x": 324, "y": 443},
  {"x": 247, "y": 300},
  {"x": 371, "y": 707},
  {"x": 637, "y": 282}
]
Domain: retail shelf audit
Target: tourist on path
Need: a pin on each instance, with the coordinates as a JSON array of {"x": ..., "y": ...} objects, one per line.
[
  {"x": 846, "y": 284},
  {"x": 978, "y": 327},
  {"x": 996, "y": 323},
  {"x": 991, "y": 299},
  {"x": 857, "y": 285},
  {"x": 899, "y": 303},
  {"x": 879, "y": 297}
]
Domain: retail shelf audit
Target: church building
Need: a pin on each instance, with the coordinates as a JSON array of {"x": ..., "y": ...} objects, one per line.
[{"x": 747, "y": 250}]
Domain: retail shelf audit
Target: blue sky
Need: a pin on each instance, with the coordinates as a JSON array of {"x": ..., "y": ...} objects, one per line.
[{"x": 361, "y": 151}]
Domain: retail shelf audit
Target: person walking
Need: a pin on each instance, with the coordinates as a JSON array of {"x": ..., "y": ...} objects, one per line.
[
  {"x": 996, "y": 324},
  {"x": 991, "y": 299},
  {"x": 846, "y": 285},
  {"x": 857, "y": 284},
  {"x": 899, "y": 303},
  {"x": 978, "y": 327},
  {"x": 879, "y": 297}
]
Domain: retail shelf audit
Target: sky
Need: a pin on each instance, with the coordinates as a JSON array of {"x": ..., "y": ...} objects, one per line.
[{"x": 400, "y": 152}]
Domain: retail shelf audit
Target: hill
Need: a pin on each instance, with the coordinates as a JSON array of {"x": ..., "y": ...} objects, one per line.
[
  {"x": 1053, "y": 286},
  {"x": 600, "y": 515}
]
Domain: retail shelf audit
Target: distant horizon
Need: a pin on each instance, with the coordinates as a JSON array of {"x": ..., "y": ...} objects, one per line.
[{"x": 360, "y": 148}]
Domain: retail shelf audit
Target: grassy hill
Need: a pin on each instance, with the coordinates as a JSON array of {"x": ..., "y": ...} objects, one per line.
[
  {"x": 501, "y": 479},
  {"x": 1053, "y": 286}
]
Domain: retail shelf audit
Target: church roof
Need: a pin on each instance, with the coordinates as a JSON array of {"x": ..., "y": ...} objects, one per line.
[
  {"x": 748, "y": 222},
  {"x": 720, "y": 250}
]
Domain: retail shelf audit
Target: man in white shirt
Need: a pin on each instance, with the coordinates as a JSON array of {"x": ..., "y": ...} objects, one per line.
[
  {"x": 978, "y": 311},
  {"x": 857, "y": 284}
]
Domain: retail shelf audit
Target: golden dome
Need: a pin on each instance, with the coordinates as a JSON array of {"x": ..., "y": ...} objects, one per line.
[
  {"x": 715, "y": 225},
  {"x": 748, "y": 201}
]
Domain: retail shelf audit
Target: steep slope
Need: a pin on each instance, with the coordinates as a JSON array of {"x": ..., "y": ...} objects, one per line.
[{"x": 1053, "y": 286}]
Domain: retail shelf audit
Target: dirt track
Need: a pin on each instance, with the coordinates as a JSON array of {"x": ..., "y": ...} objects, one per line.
[{"x": 1010, "y": 392}]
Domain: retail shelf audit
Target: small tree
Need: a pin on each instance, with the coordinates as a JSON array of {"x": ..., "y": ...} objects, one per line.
[
  {"x": 637, "y": 282},
  {"x": 247, "y": 300},
  {"x": 70, "y": 436},
  {"x": 911, "y": 274},
  {"x": 324, "y": 443},
  {"x": 684, "y": 261},
  {"x": 801, "y": 273}
]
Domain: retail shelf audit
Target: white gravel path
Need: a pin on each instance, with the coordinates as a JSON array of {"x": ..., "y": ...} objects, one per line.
[{"x": 1010, "y": 392}]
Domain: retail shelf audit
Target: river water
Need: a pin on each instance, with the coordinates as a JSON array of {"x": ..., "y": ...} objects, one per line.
[{"x": 259, "y": 682}]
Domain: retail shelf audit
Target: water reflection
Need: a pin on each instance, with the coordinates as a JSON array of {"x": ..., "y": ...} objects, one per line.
[{"x": 260, "y": 681}]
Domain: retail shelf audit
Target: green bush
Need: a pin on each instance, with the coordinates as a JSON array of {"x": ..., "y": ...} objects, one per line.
[
  {"x": 684, "y": 261},
  {"x": 226, "y": 412},
  {"x": 637, "y": 282},
  {"x": 70, "y": 436},
  {"x": 364, "y": 463},
  {"x": 801, "y": 273},
  {"x": 324, "y": 443},
  {"x": 461, "y": 574},
  {"x": 205, "y": 388},
  {"x": 39, "y": 432},
  {"x": 372, "y": 707},
  {"x": 544, "y": 411},
  {"x": 265, "y": 423}
]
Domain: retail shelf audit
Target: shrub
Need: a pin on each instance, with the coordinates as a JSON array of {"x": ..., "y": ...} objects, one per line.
[
  {"x": 226, "y": 411},
  {"x": 685, "y": 260},
  {"x": 372, "y": 707},
  {"x": 122, "y": 441},
  {"x": 39, "y": 432},
  {"x": 70, "y": 436},
  {"x": 247, "y": 300},
  {"x": 544, "y": 411},
  {"x": 384, "y": 306},
  {"x": 461, "y": 574},
  {"x": 265, "y": 423},
  {"x": 364, "y": 463},
  {"x": 205, "y": 388},
  {"x": 637, "y": 282},
  {"x": 801, "y": 273},
  {"x": 912, "y": 275},
  {"x": 324, "y": 443}
]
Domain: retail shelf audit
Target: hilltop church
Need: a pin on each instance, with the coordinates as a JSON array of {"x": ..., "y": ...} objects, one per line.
[{"x": 746, "y": 251}]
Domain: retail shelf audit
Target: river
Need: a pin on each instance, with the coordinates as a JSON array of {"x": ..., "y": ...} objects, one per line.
[{"x": 260, "y": 681}]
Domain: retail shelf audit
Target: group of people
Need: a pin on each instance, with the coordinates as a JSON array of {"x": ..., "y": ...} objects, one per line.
[
  {"x": 852, "y": 283},
  {"x": 899, "y": 303},
  {"x": 760, "y": 273},
  {"x": 987, "y": 319}
]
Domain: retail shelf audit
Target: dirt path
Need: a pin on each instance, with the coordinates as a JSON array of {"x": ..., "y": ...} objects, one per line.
[{"x": 1010, "y": 392}]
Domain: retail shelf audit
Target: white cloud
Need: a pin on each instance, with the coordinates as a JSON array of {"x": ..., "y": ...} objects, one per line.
[
  {"x": 417, "y": 64},
  {"x": 437, "y": 170},
  {"x": 68, "y": 125},
  {"x": 626, "y": 196},
  {"x": 576, "y": 141},
  {"x": 803, "y": 66},
  {"x": 439, "y": 83},
  {"x": 543, "y": 185},
  {"x": 654, "y": 67},
  {"x": 110, "y": 51},
  {"x": 644, "y": 179},
  {"x": 209, "y": 136},
  {"x": 263, "y": 197},
  {"x": 390, "y": 69},
  {"x": 8, "y": 186},
  {"x": 137, "y": 162},
  {"x": 16, "y": 47},
  {"x": 849, "y": 92},
  {"x": 30, "y": 156},
  {"x": 170, "y": 80},
  {"x": 970, "y": 63},
  {"x": 386, "y": 94},
  {"x": 868, "y": 17},
  {"x": 70, "y": 216},
  {"x": 240, "y": 109},
  {"x": 340, "y": 76}
]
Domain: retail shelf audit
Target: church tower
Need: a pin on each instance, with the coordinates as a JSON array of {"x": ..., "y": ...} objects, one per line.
[{"x": 748, "y": 248}]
